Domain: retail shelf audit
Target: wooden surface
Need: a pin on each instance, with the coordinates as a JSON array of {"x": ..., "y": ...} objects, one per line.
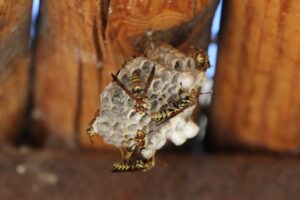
[
  {"x": 80, "y": 43},
  {"x": 256, "y": 102},
  {"x": 14, "y": 66},
  {"x": 55, "y": 175}
]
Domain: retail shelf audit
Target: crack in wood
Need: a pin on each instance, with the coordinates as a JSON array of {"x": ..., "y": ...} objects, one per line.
[
  {"x": 78, "y": 108},
  {"x": 181, "y": 34},
  {"x": 104, "y": 6},
  {"x": 96, "y": 41}
]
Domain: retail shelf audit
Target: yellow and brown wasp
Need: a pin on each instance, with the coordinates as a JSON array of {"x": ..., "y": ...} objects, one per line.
[
  {"x": 177, "y": 107},
  {"x": 133, "y": 160},
  {"x": 138, "y": 91},
  {"x": 200, "y": 57},
  {"x": 201, "y": 60}
]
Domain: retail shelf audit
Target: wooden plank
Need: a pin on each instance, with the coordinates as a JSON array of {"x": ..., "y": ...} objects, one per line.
[
  {"x": 14, "y": 66},
  {"x": 65, "y": 47},
  {"x": 256, "y": 99},
  {"x": 82, "y": 42},
  {"x": 205, "y": 177}
]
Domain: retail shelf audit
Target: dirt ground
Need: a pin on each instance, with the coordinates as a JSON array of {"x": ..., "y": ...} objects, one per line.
[{"x": 48, "y": 174}]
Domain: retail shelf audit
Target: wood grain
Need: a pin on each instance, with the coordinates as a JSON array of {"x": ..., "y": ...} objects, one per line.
[
  {"x": 14, "y": 66},
  {"x": 256, "y": 100}
]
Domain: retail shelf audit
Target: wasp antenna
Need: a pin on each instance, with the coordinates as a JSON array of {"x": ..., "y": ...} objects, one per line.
[
  {"x": 113, "y": 76},
  {"x": 206, "y": 92},
  {"x": 91, "y": 140},
  {"x": 149, "y": 80},
  {"x": 118, "y": 72},
  {"x": 122, "y": 153}
]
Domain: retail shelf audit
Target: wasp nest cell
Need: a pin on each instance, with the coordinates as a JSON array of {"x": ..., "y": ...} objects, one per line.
[{"x": 174, "y": 77}]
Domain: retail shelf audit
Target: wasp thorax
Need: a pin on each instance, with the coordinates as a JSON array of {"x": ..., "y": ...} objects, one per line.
[{"x": 140, "y": 109}]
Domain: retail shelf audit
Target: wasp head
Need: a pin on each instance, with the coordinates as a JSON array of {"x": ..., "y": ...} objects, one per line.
[{"x": 201, "y": 60}]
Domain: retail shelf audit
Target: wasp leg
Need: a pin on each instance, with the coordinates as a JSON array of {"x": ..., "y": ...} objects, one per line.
[
  {"x": 121, "y": 85},
  {"x": 122, "y": 153},
  {"x": 121, "y": 167},
  {"x": 91, "y": 132},
  {"x": 150, "y": 78}
]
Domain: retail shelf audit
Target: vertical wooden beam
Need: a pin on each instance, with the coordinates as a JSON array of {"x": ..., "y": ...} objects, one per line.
[
  {"x": 256, "y": 103},
  {"x": 67, "y": 77},
  {"x": 15, "y": 17}
]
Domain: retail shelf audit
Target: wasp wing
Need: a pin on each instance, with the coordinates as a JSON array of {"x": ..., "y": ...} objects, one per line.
[
  {"x": 149, "y": 80},
  {"x": 121, "y": 85}
]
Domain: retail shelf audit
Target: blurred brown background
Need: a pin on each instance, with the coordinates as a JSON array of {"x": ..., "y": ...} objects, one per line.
[{"x": 53, "y": 68}]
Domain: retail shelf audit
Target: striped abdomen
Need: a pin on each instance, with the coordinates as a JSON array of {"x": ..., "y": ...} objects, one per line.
[
  {"x": 139, "y": 165},
  {"x": 137, "y": 85},
  {"x": 175, "y": 108}
]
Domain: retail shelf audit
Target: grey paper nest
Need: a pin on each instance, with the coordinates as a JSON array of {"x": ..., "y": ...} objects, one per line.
[{"x": 173, "y": 70}]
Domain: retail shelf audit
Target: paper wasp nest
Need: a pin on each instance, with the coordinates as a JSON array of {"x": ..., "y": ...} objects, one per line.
[{"x": 173, "y": 71}]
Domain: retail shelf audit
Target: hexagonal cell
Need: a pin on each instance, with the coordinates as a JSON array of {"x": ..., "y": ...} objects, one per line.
[
  {"x": 117, "y": 112},
  {"x": 157, "y": 85},
  {"x": 161, "y": 99},
  {"x": 174, "y": 89},
  {"x": 189, "y": 64},
  {"x": 105, "y": 97},
  {"x": 130, "y": 102},
  {"x": 133, "y": 127},
  {"x": 104, "y": 127},
  {"x": 117, "y": 127},
  {"x": 126, "y": 79},
  {"x": 191, "y": 129},
  {"x": 186, "y": 80},
  {"x": 117, "y": 99},
  {"x": 165, "y": 75},
  {"x": 165, "y": 87},
  {"x": 147, "y": 66},
  {"x": 154, "y": 105},
  {"x": 175, "y": 78},
  {"x": 176, "y": 137},
  {"x": 106, "y": 114},
  {"x": 153, "y": 97},
  {"x": 178, "y": 65}
]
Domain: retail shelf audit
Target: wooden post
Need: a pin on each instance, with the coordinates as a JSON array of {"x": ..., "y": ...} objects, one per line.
[
  {"x": 14, "y": 65},
  {"x": 256, "y": 103},
  {"x": 82, "y": 42}
]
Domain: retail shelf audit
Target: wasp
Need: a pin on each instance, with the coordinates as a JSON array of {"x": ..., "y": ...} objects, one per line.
[
  {"x": 201, "y": 58},
  {"x": 137, "y": 165},
  {"x": 133, "y": 161},
  {"x": 138, "y": 91},
  {"x": 177, "y": 106}
]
